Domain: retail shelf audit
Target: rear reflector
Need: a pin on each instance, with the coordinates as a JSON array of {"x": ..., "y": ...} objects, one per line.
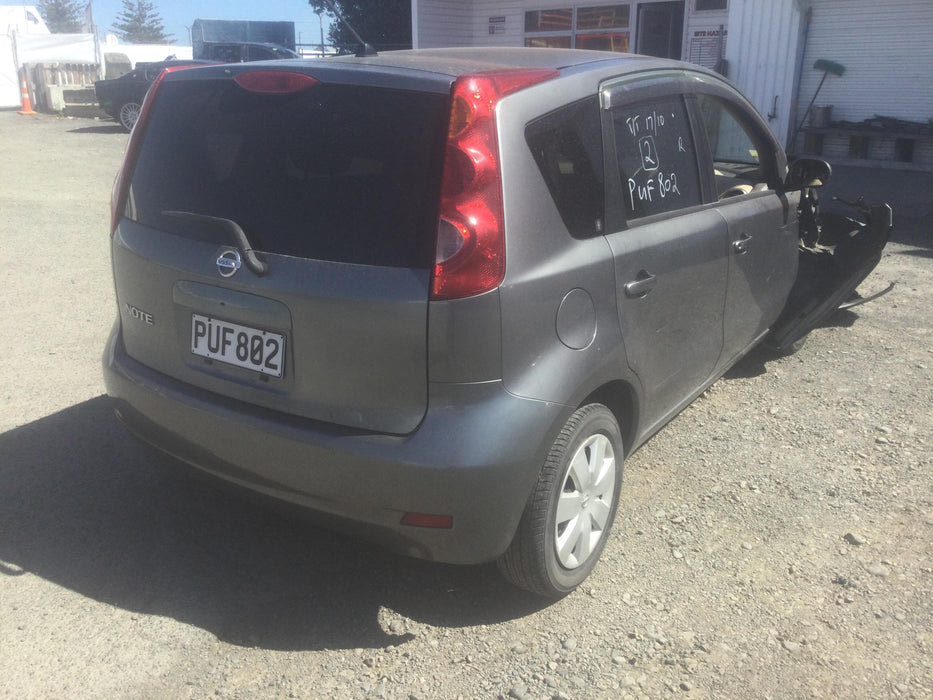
[
  {"x": 274, "y": 82},
  {"x": 442, "y": 522}
]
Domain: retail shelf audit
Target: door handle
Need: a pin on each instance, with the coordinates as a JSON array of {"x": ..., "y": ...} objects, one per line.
[
  {"x": 641, "y": 285},
  {"x": 740, "y": 247}
]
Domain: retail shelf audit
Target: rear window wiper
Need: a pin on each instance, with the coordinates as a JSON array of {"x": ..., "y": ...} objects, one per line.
[{"x": 239, "y": 235}]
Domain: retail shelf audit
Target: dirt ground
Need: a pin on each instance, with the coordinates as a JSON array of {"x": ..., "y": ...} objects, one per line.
[{"x": 774, "y": 541}]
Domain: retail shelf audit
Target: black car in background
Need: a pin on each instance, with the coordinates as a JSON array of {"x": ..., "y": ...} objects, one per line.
[
  {"x": 244, "y": 51},
  {"x": 122, "y": 97}
]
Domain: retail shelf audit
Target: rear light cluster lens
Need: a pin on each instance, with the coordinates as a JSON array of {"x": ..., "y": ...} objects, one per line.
[{"x": 470, "y": 252}]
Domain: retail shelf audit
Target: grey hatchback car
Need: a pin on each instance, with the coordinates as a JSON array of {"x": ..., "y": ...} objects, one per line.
[{"x": 436, "y": 295}]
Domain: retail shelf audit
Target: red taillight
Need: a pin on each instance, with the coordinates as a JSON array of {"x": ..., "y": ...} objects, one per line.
[
  {"x": 274, "y": 82},
  {"x": 121, "y": 184},
  {"x": 470, "y": 252}
]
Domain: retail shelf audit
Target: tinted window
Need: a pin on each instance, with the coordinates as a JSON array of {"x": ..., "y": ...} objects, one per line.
[
  {"x": 260, "y": 53},
  {"x": 567, "y": 146},
  {"x": 736, "y": 148},
  {"x": 341, "y": 173},
  {"x": 728, "y": 139},
  {"x": 267, "y": 53},
  {"x": 656, "y": 157},
  {"x": 227, "y": 54}
]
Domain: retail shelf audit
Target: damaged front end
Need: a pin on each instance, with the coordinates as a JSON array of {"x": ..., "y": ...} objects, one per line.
[{"x": 837, "y": 253}]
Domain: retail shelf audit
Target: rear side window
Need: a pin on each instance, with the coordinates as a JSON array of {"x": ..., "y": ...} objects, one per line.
[
  {"x": 567, "y": 146},
  {"x": 656, "y": 157},
  {"x": 335, "y": 172}
]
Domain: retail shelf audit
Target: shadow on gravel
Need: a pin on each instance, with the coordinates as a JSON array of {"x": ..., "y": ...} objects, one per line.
[
  {"x": 103, "y": 129},
  {"x": 754, "y": 364},
  {"x": 87, "y": 507},
  {"x": 918, "y": 253}
]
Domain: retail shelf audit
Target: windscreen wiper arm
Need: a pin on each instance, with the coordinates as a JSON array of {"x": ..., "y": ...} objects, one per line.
[{"x": 252, "y": 260}]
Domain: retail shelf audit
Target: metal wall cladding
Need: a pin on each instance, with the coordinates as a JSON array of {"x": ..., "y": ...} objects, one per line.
[
  {"x": 442, "y": 23},
  {"x": 764, "y": 43},
  {"x": 887, "y": 54}
]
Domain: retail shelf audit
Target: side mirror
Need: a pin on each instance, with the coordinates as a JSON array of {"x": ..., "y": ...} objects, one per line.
[{"x": 807, "y": 172}]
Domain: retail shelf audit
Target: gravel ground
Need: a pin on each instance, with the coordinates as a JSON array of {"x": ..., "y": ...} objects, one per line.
[{"x": 773, "y": 541}]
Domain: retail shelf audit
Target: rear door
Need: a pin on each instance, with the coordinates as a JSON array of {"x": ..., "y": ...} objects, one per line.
[
  {"x": 670, "y": 253},
  {"x": 335, "y": 187}
]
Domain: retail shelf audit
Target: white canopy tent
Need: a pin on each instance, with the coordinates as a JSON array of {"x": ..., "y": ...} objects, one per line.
[
  {"x": 16, "y": 22},
  {"x": 25, "y": 39}
]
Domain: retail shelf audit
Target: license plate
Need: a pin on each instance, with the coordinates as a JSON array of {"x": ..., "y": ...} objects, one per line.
[{"x": 242, "y": 346}]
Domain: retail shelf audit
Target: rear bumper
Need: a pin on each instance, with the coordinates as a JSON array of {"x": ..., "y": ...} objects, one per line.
[{"x": 474, "y": 457}]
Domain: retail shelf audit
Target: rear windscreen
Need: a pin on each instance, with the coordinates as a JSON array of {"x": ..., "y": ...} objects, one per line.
[{"x": 335, "y": 172}]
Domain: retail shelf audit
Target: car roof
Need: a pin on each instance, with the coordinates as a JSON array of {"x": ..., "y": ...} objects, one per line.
[
  {"x": 464, "y": 60},
  {"x": 434, "y": 69},
  {"x": 169, "y": 62}
]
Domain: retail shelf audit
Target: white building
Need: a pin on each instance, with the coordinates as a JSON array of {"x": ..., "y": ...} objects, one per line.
[
  {"x": 22, "y": 20},
  {"x": 25, "y": 40},
  {"x": 767, "y": 47}
]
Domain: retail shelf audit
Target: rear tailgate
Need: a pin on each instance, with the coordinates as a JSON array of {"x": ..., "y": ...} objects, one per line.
[{"x": 336, "y": 188}]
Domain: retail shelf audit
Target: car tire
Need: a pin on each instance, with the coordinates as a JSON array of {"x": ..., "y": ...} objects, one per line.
[
  {"x": 128, "y": 114},
  {"x": 569, "y": 514}
]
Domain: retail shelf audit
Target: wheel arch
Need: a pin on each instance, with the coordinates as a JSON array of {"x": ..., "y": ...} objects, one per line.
[{"x": 621, "y": 399}]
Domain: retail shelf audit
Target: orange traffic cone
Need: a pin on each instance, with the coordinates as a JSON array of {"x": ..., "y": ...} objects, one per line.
[{"x": 27, "y": 105}]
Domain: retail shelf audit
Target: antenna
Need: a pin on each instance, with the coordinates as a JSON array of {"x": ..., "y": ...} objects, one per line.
[{"x": 365, "y": 49}]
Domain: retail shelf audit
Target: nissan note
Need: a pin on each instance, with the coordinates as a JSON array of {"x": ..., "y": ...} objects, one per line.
[{"x": 438, "y": 295}]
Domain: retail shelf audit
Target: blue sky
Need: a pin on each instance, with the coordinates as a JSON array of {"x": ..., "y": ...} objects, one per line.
[{"x": 177, "y": 15}]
